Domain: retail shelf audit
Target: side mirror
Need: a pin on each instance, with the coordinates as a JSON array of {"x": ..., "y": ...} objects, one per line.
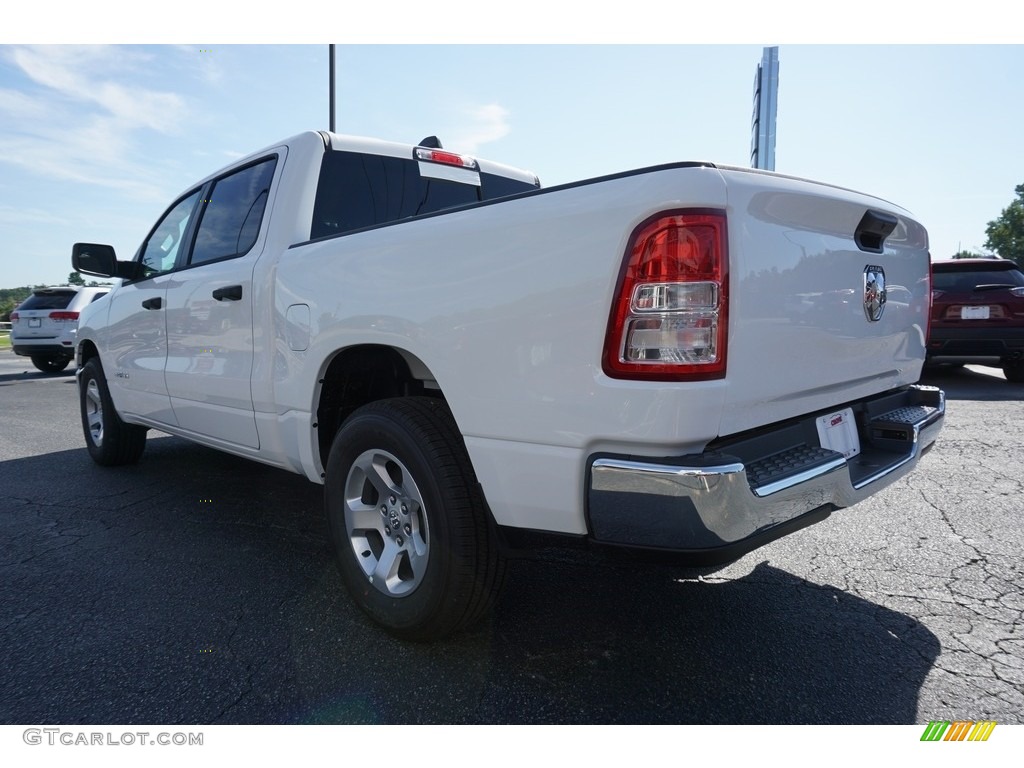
[
  {"x": 93, "y": 259},
  {"x": 100, "y": 260}
]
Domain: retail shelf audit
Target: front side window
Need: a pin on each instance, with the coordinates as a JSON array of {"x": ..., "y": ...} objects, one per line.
[
  {"x": 160, "y": 251},
  {"x": 233, "y": 213}
]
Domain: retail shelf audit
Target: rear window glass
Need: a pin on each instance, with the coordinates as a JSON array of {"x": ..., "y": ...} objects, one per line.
[
  {"x": 48, "y": 300},
  {"x": 966, "y": 279},
  {"x": 359, "y": 190}
]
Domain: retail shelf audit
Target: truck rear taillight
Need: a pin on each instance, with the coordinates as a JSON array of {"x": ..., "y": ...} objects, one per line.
[
  {"x": 64, "y": 317},
  {"x": 669, "y": 318}
]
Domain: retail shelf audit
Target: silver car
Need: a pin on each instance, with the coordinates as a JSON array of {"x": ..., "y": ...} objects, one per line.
[{"x": 44, "y": 326}]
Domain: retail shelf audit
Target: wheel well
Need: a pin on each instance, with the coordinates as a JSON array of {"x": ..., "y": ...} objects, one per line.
[
  {"x": 361, "y": 375},
  {"x": 88, "y": 351}
]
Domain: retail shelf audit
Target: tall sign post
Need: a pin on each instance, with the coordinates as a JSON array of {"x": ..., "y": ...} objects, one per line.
[
  {"x": 766, "y": 101},
  {"x": 331, "y": 79}
]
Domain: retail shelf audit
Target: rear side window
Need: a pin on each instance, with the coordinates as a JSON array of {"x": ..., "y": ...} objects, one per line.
[
  {"x": 358, "y": 190},
  {"x": 49, "y": 300},
  {"x": 233, "y": 213}
]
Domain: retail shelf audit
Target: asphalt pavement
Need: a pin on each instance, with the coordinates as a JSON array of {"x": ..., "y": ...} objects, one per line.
[{"x": 196, "y": 587}]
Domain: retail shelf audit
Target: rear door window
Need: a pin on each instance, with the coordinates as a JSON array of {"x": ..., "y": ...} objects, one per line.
[{"x": 232, "y": 215}]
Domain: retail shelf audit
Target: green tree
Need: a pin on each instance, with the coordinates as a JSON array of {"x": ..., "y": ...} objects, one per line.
[
  {"x": 1006, "y": 233},
  {"x": 967, "y": 255},
  {"x": 10, "y": 298},
  {"x": 75, "y": 279},
  {"x": 6, "y": 307}
]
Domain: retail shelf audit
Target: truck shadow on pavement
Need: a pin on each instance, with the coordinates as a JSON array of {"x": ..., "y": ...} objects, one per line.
[
  {"x": 30, "y": 375},
  {"x": 972, "y": 383},
  {"x": 196, "y": 587}
]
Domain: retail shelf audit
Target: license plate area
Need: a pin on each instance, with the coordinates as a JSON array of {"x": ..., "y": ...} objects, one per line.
[
  {"x": 35, "y": 322},
  {"x": 837, "y": 431},
  {"x": 975, "y": 313}
]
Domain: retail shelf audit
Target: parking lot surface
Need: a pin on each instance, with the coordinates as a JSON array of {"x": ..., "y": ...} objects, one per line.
[{"x": 197, "y": 588}]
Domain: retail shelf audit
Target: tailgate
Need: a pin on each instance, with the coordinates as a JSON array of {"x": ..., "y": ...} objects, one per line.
[
  {"x": 809, "y": 326},
  {"x": 37, "y": 324}
]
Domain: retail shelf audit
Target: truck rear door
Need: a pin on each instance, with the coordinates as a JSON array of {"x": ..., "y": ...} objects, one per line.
[{"x": 209, "y": 308}]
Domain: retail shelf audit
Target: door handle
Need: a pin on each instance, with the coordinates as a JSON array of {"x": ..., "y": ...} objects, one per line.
[
  {"x": 229, "y": 293},
  {"x": 154, "y": 303}
]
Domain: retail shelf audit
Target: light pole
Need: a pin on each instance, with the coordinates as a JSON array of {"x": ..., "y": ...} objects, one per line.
[{"x": 331, "y": 79}]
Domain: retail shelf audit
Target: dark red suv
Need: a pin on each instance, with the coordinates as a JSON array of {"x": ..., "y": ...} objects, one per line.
[{"x": 978, "y": 314}]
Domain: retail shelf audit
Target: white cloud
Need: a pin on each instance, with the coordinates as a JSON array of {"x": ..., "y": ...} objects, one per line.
[
  {"x": 481, "y": 125},
  {"x": 16, "y": 105},
  {"x": 93, "y": 74},
  {"x": 78, "y": 118},
  {"x": 11, "y": 215},
  {"x": 198, "y": 63}
]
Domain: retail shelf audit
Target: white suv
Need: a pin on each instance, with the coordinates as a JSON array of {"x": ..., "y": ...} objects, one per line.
[{"x": 45, "y": 324}]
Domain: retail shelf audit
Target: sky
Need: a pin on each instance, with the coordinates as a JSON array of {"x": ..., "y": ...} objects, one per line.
[
  {"x": 97, "y": 137},
  {"x": 96, "y": 140}
]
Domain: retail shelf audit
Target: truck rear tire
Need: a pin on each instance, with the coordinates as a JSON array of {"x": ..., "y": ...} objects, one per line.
[
  {"x": 408, "y": 524},
  {"x": 110, "y": 441}
]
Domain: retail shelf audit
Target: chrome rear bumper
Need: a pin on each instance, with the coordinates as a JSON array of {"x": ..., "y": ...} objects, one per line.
[{"x": 719, "y": 505}]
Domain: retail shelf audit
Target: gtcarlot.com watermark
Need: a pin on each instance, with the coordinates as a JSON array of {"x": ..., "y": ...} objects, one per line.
[{"x": 69, "y": 738}]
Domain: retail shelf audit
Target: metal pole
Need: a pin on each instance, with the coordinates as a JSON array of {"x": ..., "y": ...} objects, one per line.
[{"x": 331, "y": 47}]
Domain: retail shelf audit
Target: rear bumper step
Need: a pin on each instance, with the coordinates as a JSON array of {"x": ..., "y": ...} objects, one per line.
[{"x": 718, "y": 505}]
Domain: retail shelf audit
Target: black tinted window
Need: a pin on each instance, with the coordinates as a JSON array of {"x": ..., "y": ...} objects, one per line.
[
  {"x": 233, "y": 213},
  {"x": 358, "y": 190},
  {"x": 502, "y": 186},
  {"x": 48, "y": 300},
  {"x": 966, "y": 279}
]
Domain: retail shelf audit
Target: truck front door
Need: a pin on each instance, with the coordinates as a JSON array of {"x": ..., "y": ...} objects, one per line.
[{"x": 137, "y": 326}]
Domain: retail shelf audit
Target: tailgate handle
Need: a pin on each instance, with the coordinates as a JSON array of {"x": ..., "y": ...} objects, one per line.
[
  {"x": 874, "y": 227},
  {"x": 231, "y": 293},
  {"x": 153, "y": 303}
]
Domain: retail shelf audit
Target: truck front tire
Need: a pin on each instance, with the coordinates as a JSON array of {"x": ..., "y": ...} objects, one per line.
[
  {"x": 407, "y": 521},
  {"x": 110, "y": 441}
]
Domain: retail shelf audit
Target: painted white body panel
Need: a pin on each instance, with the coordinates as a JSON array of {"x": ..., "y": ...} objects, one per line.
[
  {"x": 135, "y": 342},
  {"x": 505, "y": 306},
  {"x": 795, "y": 239}
]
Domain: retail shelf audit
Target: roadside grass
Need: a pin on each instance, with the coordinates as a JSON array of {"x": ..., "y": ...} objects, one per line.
[{"x": 5, "y": 341}]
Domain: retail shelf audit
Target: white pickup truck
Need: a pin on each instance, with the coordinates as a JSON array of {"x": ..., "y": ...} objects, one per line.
[{"x": 691, "y": 359}]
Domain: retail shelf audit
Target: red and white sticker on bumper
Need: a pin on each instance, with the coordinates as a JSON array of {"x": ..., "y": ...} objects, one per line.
[{"x": 838, "y": 432}]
